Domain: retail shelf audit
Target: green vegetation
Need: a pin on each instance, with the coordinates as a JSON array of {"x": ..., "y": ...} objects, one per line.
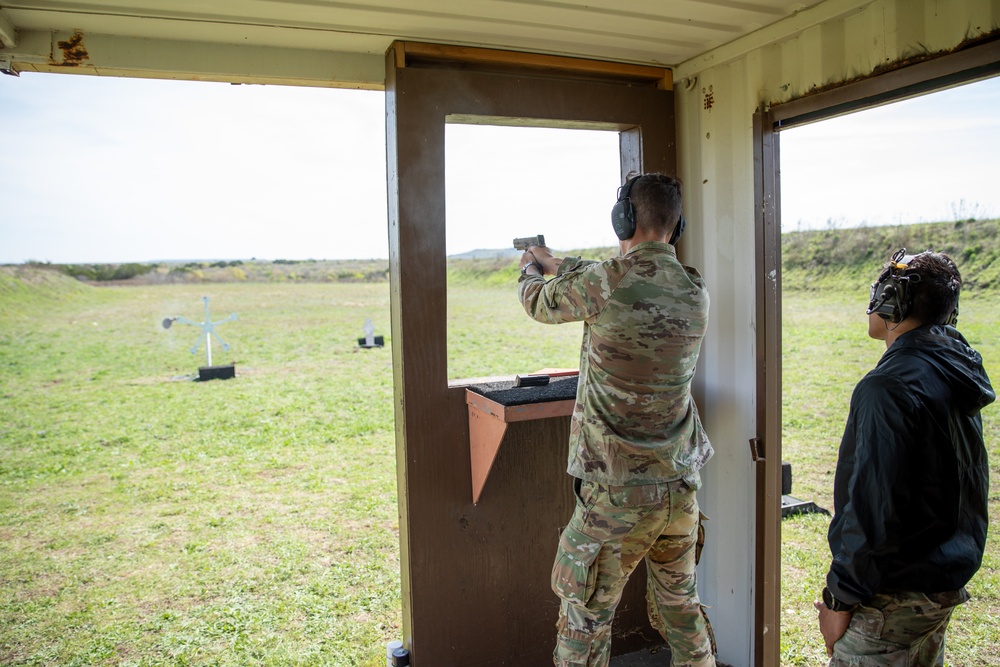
[
  {"x": 838, "y": 259},
  {"x": 106, "y": 272},
  {"x": 149, "y": 520}
]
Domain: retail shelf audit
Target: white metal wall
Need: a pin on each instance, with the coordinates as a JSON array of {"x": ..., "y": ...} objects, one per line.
[{"x": 717, "y": 94}]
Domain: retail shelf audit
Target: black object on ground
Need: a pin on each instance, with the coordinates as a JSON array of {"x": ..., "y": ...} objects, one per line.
[
  {"x": 791, "y": 505},
  {"x": 400, "y": 657},
  {"x": 226, "y": 372},
  {"x": 377, "y": 341}
]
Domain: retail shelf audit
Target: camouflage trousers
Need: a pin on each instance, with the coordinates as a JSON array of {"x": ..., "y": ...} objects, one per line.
[
  {"x": 898, "y": 630},
  {"x": 612, "y": 529}
]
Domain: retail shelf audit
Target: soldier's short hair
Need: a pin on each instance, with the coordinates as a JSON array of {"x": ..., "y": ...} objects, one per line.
[
  {"x": 934, "y": 297},
  {"x": 657, "y": 201}
]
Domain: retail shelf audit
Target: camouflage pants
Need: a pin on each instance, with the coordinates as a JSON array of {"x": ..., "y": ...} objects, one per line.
[
  {"x": 898, "y": 630},
  {"x": 612, "y": 529}
]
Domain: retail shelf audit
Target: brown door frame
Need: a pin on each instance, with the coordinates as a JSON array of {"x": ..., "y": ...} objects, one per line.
[
  {"x": 765, "y": 448},
  {"x": 965, "y": 65},
  {"x": 475, "y": 576}
]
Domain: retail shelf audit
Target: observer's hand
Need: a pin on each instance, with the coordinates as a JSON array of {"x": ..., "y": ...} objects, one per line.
[
  {"x": 832, "y": 624},
  {"x": 542, "y": 256}
]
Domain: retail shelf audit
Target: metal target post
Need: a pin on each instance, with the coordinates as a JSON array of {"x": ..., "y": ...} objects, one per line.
[{"x": 207, "y": 329}]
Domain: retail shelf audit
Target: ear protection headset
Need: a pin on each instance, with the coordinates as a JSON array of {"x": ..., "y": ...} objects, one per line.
[
  {"x": 890, "y": 297},
  {"x": 678, "y": 230},
  {"x": 623, "y": 215}
]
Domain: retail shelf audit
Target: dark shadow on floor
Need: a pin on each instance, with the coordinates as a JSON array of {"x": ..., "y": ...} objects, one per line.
[{"x": 653, "y": 657}]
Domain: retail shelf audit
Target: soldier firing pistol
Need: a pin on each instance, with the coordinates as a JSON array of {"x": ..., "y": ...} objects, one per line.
[
  {"x": 537, "y": 258},
  {"x": 528, "y": 241}
]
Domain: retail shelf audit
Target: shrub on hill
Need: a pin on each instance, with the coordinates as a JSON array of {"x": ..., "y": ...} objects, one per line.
[{"x": 105, "y": 272}]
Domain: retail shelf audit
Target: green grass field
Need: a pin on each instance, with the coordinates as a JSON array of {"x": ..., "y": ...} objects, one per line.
[
  {"x": 149, "y": 520},
  {"x": 146, "y": 519}
]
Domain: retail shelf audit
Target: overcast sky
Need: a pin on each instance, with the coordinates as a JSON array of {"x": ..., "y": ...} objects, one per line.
[
  {"x": 928, "y": 159},
  {"x": 97, "y": 169}
]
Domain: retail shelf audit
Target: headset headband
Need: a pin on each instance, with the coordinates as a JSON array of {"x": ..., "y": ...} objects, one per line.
[{"x": 625, "y": 190}]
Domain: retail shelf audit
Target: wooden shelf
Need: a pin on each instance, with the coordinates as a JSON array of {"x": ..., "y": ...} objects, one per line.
[{"x": 488, "y": 422}]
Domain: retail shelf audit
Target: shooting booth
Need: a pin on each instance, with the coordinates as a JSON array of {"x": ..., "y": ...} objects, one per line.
[
  {"x": 476, "y": 558},
  {"x": 701, "y": 88}
]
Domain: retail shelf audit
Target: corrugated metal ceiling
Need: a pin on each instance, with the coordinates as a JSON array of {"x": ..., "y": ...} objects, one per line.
[{"x": 660, "y": 32}]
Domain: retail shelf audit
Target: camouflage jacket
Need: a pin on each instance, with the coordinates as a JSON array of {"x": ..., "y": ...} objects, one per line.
[{"x": 645, "y": 315}]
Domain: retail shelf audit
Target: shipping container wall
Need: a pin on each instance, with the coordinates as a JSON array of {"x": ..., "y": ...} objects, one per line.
[{"x": 716, "y": 96}]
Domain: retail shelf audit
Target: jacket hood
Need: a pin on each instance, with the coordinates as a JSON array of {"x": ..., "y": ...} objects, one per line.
[{"x": 954, "y": 358}]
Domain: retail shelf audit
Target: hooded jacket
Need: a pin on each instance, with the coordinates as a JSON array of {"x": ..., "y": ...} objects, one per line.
[{"x": 912, "y": 480}]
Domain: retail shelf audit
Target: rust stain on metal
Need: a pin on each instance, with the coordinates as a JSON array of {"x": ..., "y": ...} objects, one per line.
[
  {"x": 709, "y": 97},
  {"x": 883, "y": 68},
  {"x": 74, "y": 52}
]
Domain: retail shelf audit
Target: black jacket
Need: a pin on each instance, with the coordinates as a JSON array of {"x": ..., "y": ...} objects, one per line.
[{"x": 912, "y": 481}]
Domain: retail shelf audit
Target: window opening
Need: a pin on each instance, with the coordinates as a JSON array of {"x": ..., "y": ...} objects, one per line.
[
  {"x": 917, "y": 174},
  {"x": 504, "y": 182}
]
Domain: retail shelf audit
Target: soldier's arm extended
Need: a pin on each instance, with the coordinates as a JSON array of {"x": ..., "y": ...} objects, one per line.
[{"x": 578, "y": 293}]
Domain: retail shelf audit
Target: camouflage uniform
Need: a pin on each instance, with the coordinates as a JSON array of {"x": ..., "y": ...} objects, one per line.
[
  {"x": 898, "y": 630},
  {"x": 636, "y": 445}
]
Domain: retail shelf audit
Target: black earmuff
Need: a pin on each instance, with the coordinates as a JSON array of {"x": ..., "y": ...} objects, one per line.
[
  {"x": 890, "y": 295},
  {"x": 623, "y": 213},
  {"x": 678, "y": 230}
]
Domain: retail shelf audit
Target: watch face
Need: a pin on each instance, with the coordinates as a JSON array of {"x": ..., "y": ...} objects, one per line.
[
  {"x": 828, "y": 598},
  {"x": 832, "y": 603}
]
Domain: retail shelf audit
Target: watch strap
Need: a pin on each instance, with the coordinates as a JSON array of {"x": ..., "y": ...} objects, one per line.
[{"x": 832, "y": 603}]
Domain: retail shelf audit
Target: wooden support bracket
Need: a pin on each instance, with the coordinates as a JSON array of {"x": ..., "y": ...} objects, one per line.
[{"x": 488, "y": 422}]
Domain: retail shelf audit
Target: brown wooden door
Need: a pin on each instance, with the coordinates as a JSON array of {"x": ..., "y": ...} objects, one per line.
[{"x": 475, "y": 577}]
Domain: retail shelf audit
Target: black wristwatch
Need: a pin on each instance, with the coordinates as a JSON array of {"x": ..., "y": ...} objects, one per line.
[
  {"x": 833, "y": 604},
  {"x": 524, "y": 269}
]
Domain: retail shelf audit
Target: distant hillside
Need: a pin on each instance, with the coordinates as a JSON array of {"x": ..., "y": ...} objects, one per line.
[
  {"x": 207, "y": 271},
  {"x": 852, "y": 258},
  {"x": 486, "y": 253},
  {"x": 842, "y": 259},
  {"x": 29, "y": 283}
]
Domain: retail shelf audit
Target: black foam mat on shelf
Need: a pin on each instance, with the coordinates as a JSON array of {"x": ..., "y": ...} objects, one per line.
[{"x": 507, "y": 394}]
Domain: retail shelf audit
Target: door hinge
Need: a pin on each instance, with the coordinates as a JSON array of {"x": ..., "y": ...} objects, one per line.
[{"x": 757, "y": 450}]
